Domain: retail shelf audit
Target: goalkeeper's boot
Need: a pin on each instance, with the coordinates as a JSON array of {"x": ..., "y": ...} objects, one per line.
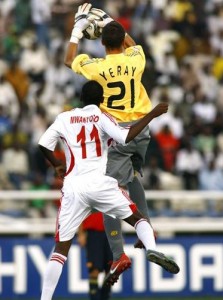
[{"x": 165, "y": 262}]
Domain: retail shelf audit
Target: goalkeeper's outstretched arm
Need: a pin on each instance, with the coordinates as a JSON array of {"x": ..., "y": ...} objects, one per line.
[
  {"x": 70, "y": 54},
  {"x": 81, "y": 22}
]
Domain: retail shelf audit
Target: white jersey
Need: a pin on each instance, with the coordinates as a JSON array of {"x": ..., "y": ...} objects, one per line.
[{"x": 85, "y": 133}]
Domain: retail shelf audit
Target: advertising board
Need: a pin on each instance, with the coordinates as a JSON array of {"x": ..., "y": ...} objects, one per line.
[{"x": 23, "y": 261}]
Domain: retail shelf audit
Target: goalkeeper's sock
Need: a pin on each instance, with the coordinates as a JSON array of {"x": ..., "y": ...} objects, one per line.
[
  {"x": 145, "y": 234},
  {"x": 114, "y": 235},
  {"x": 137, "y": 194},
  {"x": 52, "y": 275}
]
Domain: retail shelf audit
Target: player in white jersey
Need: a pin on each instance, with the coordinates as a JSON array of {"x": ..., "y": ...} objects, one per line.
[{"x": 86, "y": 133}]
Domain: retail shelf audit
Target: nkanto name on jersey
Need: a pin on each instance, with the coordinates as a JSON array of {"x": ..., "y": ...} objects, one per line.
[{"x": 81, "y": 119}]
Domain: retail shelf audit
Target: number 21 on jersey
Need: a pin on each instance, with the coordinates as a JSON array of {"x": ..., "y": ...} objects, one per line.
[{"x": 122, "y": 94}]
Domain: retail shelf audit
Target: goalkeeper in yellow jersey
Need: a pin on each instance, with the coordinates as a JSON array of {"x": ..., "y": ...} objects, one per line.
[{"x": 125, "y": 98}]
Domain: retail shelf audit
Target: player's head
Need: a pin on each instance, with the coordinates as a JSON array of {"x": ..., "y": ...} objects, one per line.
[
  {"x": 92, "y": 93},
  {"x": 113, "y": 35}
]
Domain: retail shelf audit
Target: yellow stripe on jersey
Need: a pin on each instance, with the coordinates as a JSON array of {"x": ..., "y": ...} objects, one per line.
[{"x": 120, "y": 75}]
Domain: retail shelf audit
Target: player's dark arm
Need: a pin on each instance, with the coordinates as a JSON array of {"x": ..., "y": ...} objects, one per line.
[
  {"x": 135, "y": 129},
  {"x": 70, "y": 54},
  {"x": 128, "y": 42},
  {"x": 56, "y": 163}
]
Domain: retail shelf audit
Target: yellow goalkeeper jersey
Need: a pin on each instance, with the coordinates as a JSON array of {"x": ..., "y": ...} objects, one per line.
[{"x": 125, "y": 98}]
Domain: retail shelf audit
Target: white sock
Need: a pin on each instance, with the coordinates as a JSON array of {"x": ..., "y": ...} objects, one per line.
[
  {"x": 52, "y": 275},
  {"x": 145, "y": 234}
]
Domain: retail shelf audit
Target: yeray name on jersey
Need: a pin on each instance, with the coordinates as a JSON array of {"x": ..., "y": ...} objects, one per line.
[{"x": 119, "y": 71}]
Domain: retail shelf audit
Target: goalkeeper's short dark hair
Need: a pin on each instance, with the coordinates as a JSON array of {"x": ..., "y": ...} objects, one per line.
[
  {"x": 113, "y": 35},
  {"x": 92, "y": 93}
]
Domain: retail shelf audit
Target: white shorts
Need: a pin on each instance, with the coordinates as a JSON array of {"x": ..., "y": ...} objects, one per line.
[{"x": 82, "y": 194}]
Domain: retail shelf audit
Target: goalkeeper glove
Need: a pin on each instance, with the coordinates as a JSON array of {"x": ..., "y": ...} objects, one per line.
[
  {"x": 100, "y": 13},
  {"x": 81, "y": 22}
]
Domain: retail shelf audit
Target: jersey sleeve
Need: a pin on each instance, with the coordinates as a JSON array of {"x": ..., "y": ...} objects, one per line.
[
  {"x": 111, "y": 127},
  {"x": 136, "y": 53},
  {"x": 84, "y": 65},
  {"x": 51, "y": 136}
]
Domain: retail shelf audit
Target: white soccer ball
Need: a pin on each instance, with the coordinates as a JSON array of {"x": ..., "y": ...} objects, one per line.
[{"x": 93, "y": 31}]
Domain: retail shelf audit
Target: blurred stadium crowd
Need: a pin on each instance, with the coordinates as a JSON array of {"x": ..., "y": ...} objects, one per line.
[{"x": 183, "y": 44}]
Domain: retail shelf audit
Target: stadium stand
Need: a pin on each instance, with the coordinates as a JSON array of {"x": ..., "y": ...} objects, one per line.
[{"x": 182, "y": 40}]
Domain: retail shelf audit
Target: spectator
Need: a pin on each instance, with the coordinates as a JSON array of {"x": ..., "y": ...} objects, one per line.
[
  {"x": 8, "y": 99},
  {"x": 39, "y": 125},
  {"x": 16, "y": 134},
  {"x": 161, "y": 43},
  {"x": 177, "y": 11},
  {"x": 34, "y": 61},
  {"x": 60, "y": 11},
  {"x": 204, "y": 109},
  {"x": 216, "y": 41},
  {"x": 188, "y": 76},
  {"x": 152, "y": 174},
  {"x": 15, "y": 75},
  {"x": 161, "y": 22},
  {"x": 41, "y": 16},
  {"x": 205, "y": 142},
  {"x": 169, "y": 145},
  {"x": 214, "y": 21},
  {"x": 170, "y": 87},
  {"x": 167, "y": 64},
  {"x": 188, "y": 164},
  {"x": 211, "y": 179},
  {"x": 58, "y": 74},
  {"x": 208, "y": 83},
  {"x": 173, "y": 120},
  {"x": 16, "y": 163}
]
